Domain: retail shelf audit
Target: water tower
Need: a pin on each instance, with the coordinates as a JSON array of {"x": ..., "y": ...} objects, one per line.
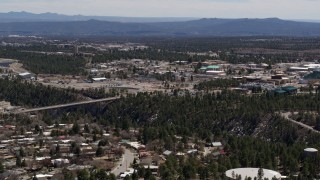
[{"x": 310, "y": 152}]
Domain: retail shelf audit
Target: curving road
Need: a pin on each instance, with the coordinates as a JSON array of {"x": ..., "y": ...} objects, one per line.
[
  {"x": 65, "y": 105},
  {"x": 286, "y": 115}
]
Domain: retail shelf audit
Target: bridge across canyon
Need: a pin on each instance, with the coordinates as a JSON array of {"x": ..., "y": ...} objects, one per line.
[{"x": 65, "y": 105}]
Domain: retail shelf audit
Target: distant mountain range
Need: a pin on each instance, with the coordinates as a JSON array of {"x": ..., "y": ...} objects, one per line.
[
  {"x": 54, "y": 24},
  {"x": 54, "y": 17}
]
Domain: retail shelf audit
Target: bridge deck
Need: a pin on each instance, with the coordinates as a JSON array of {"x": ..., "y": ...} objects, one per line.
[{"x": 65, "y": 105}]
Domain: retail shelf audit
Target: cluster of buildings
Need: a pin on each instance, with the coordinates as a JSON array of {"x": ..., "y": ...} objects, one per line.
[
  {"x": 101, "y": 47},
  {"x": 146, "y": 75},
  {"x": 309, "y": 73},
  {"x": 44, "y": 151},
  {"x": 253, "y": 76},
  {"x": 150, "y": 159}
]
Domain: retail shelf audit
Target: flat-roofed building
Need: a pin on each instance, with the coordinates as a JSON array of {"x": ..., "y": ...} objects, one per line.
[
  {"x": 27, "y": 75},
  {"x": 99, "y": 79}
]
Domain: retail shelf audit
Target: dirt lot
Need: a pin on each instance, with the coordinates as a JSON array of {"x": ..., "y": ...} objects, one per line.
[{"x": 17, "y": 68}]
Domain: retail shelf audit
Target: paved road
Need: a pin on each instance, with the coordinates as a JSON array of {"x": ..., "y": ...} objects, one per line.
[
  {"x": 286, "y": 115},
  {"x": 124, "y": 164},
  {"x": 65, "y": 105}
]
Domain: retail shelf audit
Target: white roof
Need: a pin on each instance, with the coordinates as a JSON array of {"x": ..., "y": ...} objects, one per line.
[
  {"x": 252, "y": 77},
  {"x": 180, "y": 154},
  {"x": 311, "y": 150},
  {"x": 136, "y": 145},
  {"x": 192, "y": 151},
  {"x": 130, "y": 170},
  {"x": 24, "y": 74},
  {"x": 42, "y": 158},
  {"x": 66, "y": 141},
  {"x": 299, "y": 68},
  {"x": 151, "y": 167},
  {"x": 167, "y": 152},
  {"x": 214, "y": 72},
  {"x": 124, "y": 175},
  {"x": 252, "y": 172},
  {"x": 127, "y": 173},
  {"x": 43, "y": 175},
  {"x": 60, "y": 160},
  {"x": 99, "y": 79},
  {"x": 7, "y": 141},
  {"x": 216, "y": 144},
  {"x": 312, "y": 65}
]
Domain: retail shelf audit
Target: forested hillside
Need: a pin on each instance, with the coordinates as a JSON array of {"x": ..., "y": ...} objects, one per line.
[
  {"x": 26, "y": 94},
  {"x": 217, "y": 84},
  {"x": 208, "y": 114},
  {"x": 198, "y": 44},
  {"x": 254, "y": 134},
  {"x": 150, "y": 54},
  {"x": 21, "y": 93},
  {"x": 46, "y": 64}
]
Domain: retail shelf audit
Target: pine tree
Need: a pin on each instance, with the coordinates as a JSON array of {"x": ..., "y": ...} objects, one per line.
[
  {"x": 75, "y": 128},
  {"x": 1, "y": 167},
  {"x": 99, "y": 152},
  {"x": 83, "y": 175},
  {"x": 18, "y": 161},
  {"x": 260, "y": 174}
]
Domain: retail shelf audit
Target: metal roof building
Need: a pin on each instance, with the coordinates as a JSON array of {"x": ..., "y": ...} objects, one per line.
[
  {"x": 212, "y": 67},
  {"x": 26, "y": 75}
]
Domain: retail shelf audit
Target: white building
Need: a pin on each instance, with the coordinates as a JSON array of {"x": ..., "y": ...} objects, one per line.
[
  {"x": 99, "y": 79},
  {"x": 27, "y": 75}
]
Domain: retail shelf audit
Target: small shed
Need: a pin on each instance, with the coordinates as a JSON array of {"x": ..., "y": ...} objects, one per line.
[
  {"x": 216, "y": 144},
  {"x": 167, "y": 153}
]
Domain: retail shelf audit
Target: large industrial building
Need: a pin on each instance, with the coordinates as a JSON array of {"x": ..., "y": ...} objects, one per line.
[
  {"x": 312, "y": 78},
  {"x": 305, "y": 67},
  {"x": 212, "y": 70}
]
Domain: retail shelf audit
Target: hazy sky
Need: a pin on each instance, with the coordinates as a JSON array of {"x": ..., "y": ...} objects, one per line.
[{"x": 286, "y": 9}]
